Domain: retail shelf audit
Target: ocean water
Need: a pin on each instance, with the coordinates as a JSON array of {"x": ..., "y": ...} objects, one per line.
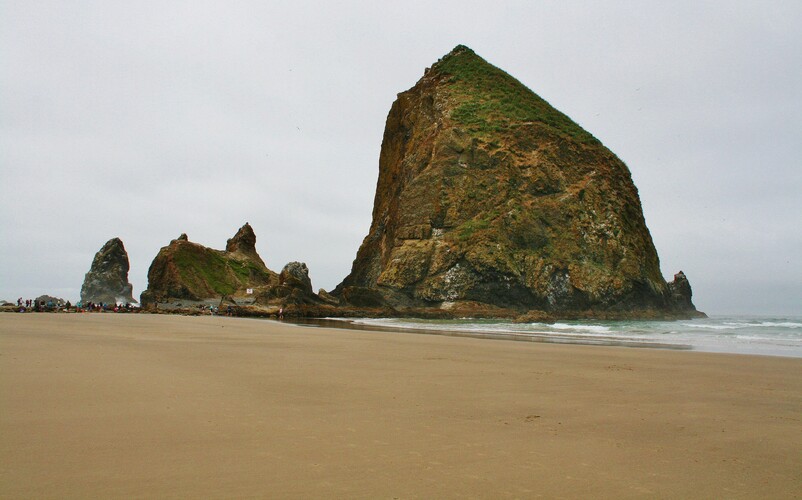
[{"x": 773, "y": 336}]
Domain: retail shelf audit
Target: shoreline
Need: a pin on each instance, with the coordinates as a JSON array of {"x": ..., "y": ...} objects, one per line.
[
  {"x": 725, "y": 335},
  {"x": 352, "y": 324},
  {"x": 612, "y": 333},
  {"x": 115, "y": 406}
]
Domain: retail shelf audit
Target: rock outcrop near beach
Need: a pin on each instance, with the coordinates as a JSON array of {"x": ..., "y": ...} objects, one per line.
[
  {"x": 48, "y": 301},
  {"x": 488, "y": 197},
  {"x": 243, "y": 245},
  {"x": 188, "y": 271},
  {"x": 681, "y": 292},
  {"x": 107, "y": 279},
  {"x": 294, "y": 287}
]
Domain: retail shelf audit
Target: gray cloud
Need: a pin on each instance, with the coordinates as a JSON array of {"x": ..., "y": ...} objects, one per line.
[{"x": 145, "y": 120}]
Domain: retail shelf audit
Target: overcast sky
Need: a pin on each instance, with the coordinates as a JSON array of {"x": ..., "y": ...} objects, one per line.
[{"x": 145, "y": 120}]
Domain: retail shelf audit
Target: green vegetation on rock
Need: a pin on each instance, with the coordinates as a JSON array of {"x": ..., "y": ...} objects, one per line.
[
  {"x": 202, "y": 268},
  {"x": 187, "y": 270},
  {"x": 199, "y": 267},
  {"x": 489, "y": 195},
  {"x": 490, "y": 101}
]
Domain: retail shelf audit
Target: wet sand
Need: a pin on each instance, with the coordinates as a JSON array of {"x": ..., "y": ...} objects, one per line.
[{"x": 113, "y": 406}]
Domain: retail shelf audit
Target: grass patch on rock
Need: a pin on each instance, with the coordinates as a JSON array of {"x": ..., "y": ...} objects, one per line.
[{"x": 491, "y": 101}]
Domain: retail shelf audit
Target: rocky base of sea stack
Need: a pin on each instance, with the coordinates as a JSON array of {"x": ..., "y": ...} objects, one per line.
[{"x": 249, "y": 308}]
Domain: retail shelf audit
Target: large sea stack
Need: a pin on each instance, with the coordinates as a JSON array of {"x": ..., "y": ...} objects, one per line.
[
  {"x": 491, "y": 200},
  {"x": 107, "y": 279}
]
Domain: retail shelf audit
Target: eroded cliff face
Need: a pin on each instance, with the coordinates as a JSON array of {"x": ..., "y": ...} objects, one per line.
[
  {"x": 487, "y": 195},
  {"x": 184, "y": 270},
  {"x": 107, "y": 279}
]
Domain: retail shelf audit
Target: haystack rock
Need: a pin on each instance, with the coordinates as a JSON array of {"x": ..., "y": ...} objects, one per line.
[
  {"x": 187, "y": 271},
  {"x": 488, "y": 197},
  {"x": 107, "y": 279}
]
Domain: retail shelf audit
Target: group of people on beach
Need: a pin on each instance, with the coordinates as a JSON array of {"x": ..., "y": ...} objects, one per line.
[
  {"x": 215, "y": 311},
  {"x": 40, "y": 305},
  {"x": 31, "y": 305},
  {"x": 28, "y": 303},
  {"x": 59, "y": 305},
  {"x": 104, "y": 307}
]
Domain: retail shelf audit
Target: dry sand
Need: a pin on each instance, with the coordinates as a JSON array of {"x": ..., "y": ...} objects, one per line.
[{"x": 110, "y": 406}]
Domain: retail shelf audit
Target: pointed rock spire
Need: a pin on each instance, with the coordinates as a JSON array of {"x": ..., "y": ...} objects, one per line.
[
  {"x": 107, "y": 279},
  {"x": 244, "y": 243}
]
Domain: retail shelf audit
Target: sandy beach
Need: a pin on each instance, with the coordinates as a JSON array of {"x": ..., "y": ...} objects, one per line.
[{"x": 121, "y": 406}]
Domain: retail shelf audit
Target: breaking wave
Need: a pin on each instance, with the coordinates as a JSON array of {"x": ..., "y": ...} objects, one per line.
[{"x": 780, "y": 336}]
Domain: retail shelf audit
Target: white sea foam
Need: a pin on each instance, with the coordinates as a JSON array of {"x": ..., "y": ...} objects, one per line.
[
  {"x": 580, "y": 328},
  {"x": 756, "y": 324},
  {"x": 748, "y": 335},
  {"x": 784, "y": 324},
  {"x": 710, "y": 327}
]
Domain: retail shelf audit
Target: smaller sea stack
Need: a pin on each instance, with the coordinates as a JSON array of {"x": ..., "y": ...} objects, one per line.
[
  {"x": 188, "y": 271},
  {"x": 107, "y": 279}
]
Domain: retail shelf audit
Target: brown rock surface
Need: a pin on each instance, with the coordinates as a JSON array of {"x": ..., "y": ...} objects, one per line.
[
  {"x": 184, "y": 270},
  {"x": 487, "y": 194},
  {"x": 294, "y": 287},
  {"x": 107, "y": 279},
  {"x": 243, "y": 244}
]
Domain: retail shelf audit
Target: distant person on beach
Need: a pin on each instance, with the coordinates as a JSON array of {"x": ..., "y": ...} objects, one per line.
[{"x": 281, "y": 312}]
